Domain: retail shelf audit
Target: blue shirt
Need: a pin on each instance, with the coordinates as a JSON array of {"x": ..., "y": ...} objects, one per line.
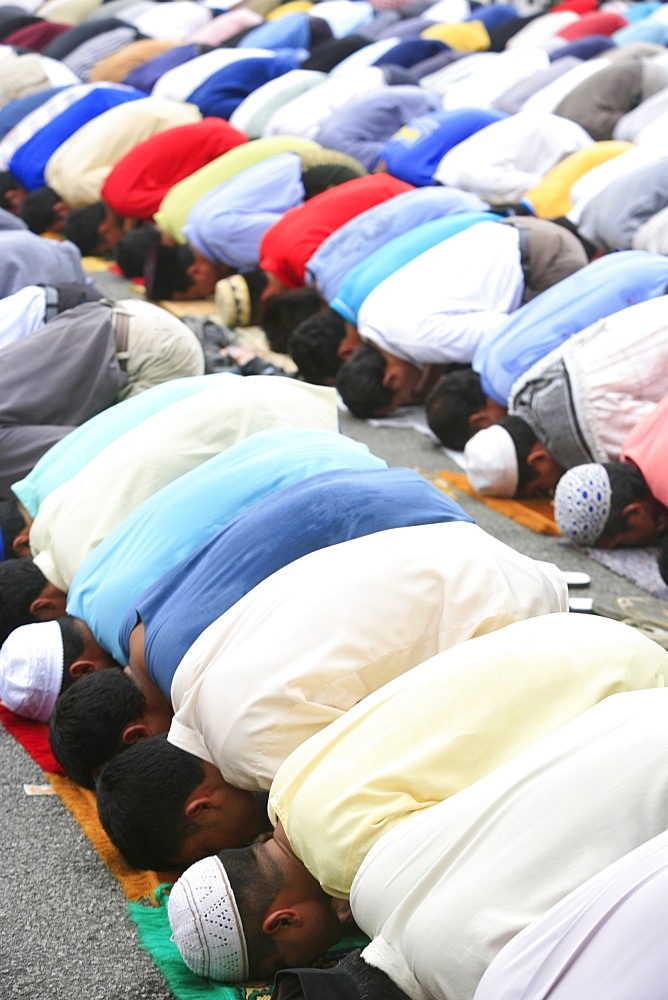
[
  {"x": 413, "y": 153},
  {"x": 323, "y": 510},
  {"x": 28, "y": 162},
  {"x": 179, "y": 517},
  {"x": 227, "y": 223},
  {"x": 597, "y": 290},
  {"x": 363, "y": 278},
  {"x": 15, "y": 111},
  {"x": 146, "y": 75},
  {"x": 367, "y": 232},
  {"x": 220, "y": 93}
]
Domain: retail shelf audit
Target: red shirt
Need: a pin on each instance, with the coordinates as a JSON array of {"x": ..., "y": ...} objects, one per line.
[
  {"x": 139, "y": 180},
  {"x": 289, "y": 244}
]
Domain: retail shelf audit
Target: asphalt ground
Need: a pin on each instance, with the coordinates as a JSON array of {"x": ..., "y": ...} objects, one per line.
[{"x": 64, "y": 933}]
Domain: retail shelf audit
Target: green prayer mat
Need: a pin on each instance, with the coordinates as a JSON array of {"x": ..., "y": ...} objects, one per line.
[{"x": 155, "y": 937}]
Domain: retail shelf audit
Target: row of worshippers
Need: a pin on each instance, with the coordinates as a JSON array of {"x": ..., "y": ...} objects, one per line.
[
  {"x": 332, "y": 736},
  {"x": 377, "y": 379},
  {"x": 62, "y": 134}
]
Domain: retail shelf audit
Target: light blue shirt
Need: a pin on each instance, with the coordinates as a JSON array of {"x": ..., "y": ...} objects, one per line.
[
  {"x": 68, "y": 456},
  {"x": 363, "y": 278},
  {"x": 182, "y": 515},
  {"x": 360, "y": 237},
  {"x": 597, "y": 290},
  {"x": 228, "y": 222}
]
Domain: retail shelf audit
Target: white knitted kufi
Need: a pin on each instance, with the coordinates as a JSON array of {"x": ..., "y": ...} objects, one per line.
[
  {"x": 206, "y": 923},
  {"x": 490, "y": 459},
  {"x": 31, "y": 669},
  {"x": 582, "y": 503}
]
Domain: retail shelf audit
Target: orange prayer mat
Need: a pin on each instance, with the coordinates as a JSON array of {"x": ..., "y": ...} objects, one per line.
[{"x": 535, "y": 514}]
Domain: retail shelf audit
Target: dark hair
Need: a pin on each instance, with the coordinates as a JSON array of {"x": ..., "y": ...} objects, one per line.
[
  {"x": 360, "y": 383},
  {"x": 451, "y": 403},
  {"x": 73, "y": 640},
  {"x": 284, "y": 311},
  {"x": 256, "y": 881},
  {"x": 37, "y": 210},
  {"x": 313, "y": 344},
  {"x": 663, "y": 558},
  {"x": 11, "y": 523},
  {"x": 627, "y": 485},
  {"x": 133, "y": 249},
  {"x": 524, "y": 439},
  {"x": 21, "y": 582},
  {"x": 81, "y": 228},
  {"x": 86, "y": 728},
  {"x": 7, "y": 183},
  {"x": 141, "y": 797},
  {"x": 319, "y": 177}
]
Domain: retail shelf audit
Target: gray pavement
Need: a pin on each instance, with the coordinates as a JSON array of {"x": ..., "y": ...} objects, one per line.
[{"x": 64, "y": 934}]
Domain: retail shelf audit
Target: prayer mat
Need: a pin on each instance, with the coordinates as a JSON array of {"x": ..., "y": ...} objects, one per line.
[
  {"x": 147, "y": 891},
  {"x": 535, "y": 514}
]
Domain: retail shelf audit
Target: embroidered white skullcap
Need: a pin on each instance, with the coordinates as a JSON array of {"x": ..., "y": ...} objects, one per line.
[
  {"x": 490, "y": 459},
  {"x": 582, "y": 503},
  {"x": 206, "y": 923},
  {"x": 31, "y": 669}
]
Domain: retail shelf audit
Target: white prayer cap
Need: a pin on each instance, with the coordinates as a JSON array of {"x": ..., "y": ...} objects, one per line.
[
  {"x": 490, "y": 459},
  {"x": 31, "y": 669},
  {"x": 582, "y": 503},
  {"x": 206, "y": 923}
]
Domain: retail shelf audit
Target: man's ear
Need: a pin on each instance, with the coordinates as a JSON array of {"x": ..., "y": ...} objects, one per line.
[
  {"x": 479, "y": 421},
  {"x": 538, "y": 456},
  {"x": 61, "y": 209},
  {"x": 641, "y": 515},
  {"x": 49, "y": 604},
  {"x": 81, "y": 668},
  {"x": 133, "y": 733},
  {"x": 21, "y": 543},
  {"x": 278, "y": 920},
  {"x": 197, "y": 804}
]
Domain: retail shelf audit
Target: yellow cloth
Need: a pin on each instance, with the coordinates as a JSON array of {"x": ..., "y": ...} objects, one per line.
[
  {"x": 115, "y": 67},
  {"x": 551, "y": 197},
  {"x": 80, "y": 513},
  {"x": 68, "y": 11},
  {"x": 469, "y": 36},
  {"x": 285, "y": 9},
  {"x": 444, "y": 725},
  {"x": 79, "y": 167}
]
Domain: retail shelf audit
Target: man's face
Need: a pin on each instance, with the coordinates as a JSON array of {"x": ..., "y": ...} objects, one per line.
[
  {"x": 646, "y": 522},
  {"x": 548, "y": 474},
  {"x": 109, "y": 232},
  {"x": 351, "y": 341},
  {"x": 403, "y": 380},
  {"x": 234, "y": 820},
  {"x": 203, "y": 276},
  {"x": 319, "y": 930}
]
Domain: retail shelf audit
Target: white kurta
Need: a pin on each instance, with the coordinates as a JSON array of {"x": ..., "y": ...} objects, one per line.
[
  {"x": 436, "y": 308},
  {"x": 443, "y": 892},
  {"x": 605, "y": 941},
  {"x": 318, "y": 636},
  {"x": 76, "y": 516},
  {"x": 501, "y": 162},
  {"x": 452, "y": 719}
]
